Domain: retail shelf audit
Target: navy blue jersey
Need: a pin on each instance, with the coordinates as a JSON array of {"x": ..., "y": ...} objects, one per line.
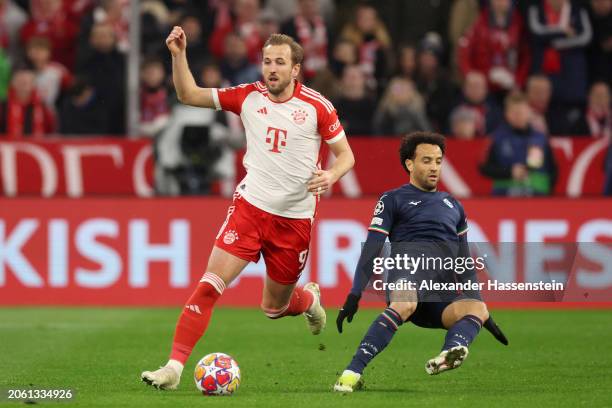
[{"x": 408, "y": 214}]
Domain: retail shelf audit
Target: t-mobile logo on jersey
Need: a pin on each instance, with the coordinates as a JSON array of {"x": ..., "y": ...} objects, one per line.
[{"x": 275, "y": 138}]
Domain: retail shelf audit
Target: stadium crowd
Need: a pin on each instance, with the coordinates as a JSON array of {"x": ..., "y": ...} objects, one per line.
[{"x": 499, "y": 69}]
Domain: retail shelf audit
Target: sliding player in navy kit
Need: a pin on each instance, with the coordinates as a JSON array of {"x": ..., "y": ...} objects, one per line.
[{"x": 436, "y": 224}]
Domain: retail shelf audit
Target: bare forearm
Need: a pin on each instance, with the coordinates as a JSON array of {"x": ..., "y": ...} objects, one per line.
[
  {"x": 187, "y": 91},
  {"x": 343, "y": 163}
]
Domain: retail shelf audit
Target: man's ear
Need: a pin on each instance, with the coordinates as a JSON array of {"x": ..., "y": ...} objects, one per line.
[
  {"x": 295, "y": 71},
  {"x": 409, "y": 165}
]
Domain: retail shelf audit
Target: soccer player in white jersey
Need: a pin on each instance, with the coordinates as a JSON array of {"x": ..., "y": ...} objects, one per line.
[{"x": 274, "y": 205}]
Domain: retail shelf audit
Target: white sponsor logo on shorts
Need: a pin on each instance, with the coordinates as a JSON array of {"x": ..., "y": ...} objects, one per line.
[{"x": 229, "y": 237}]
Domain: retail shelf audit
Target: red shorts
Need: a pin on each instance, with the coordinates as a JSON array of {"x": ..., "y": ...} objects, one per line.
[{"x": 249, "y": 231}]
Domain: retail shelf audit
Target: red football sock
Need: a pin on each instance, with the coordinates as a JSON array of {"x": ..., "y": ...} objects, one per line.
[
  {"x": 194, "y": 319},
  {"x": 300, "y": 301}
]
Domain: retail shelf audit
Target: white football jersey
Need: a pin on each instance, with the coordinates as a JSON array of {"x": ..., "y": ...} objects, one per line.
[{"x": 283, "y": 144}]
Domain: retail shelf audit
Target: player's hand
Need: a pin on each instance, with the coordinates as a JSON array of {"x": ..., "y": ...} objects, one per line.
[
  {"x": 176, "y": 41},
  {"x": 321, "y": 181},
  {"x": 351, "y": 304}
]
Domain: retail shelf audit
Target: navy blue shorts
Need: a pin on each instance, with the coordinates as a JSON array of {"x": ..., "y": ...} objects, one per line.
[{"x": 430, "y": 303}]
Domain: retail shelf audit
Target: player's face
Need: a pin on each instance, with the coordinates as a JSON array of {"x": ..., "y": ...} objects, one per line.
[
  {"x": 277, "y": 68},
  {"x": 425, "y": 167}
]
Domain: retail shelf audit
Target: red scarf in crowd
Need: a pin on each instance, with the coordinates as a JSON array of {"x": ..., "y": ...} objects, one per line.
[
  {"x": 600, "y": 123},
  {"x": 314, "y": 41},
  {"x": 16, "y": 116},
  {"x": 551, "y": 63}
]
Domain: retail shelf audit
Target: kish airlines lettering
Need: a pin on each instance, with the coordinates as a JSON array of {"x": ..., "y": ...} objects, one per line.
[
  {"x": 64, "y": 244},
  {"x": 336, "y": 249}
]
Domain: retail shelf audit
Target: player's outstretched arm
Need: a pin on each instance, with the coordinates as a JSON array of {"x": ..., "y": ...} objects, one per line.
[
  {"x": 323, "y": 180},
  {"x": 187, "y": 91},
  {"x": 365, "y": 268}
]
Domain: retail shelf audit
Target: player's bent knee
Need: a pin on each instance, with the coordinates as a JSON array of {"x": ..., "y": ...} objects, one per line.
[
  {"x": 405, "y": 309},
  {"x": 481, "y": 311},
  {"x": 274, "y": 313},
  {"x": 478, "y": 309}
]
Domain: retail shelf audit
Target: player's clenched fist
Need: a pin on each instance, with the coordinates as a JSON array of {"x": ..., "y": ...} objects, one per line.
[
  {"x": 321, "y": 181},
  {"x": 176, "y": 41}
]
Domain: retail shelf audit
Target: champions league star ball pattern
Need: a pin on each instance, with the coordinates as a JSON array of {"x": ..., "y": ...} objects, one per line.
[{"x": 217, "y": 374}]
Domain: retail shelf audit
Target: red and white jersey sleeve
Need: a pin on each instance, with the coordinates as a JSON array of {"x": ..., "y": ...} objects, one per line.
[
  {"x": 283, "y": 144},
  {"x": 231, "y": 99},
  {"x": 328, "y": 124}
]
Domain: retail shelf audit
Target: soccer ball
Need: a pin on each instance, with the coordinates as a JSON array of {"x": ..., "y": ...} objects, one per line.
[{"x": 217, "y": 374}]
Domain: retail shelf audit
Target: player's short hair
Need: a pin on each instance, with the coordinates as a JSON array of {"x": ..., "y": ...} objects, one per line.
[
  {"x": 515, "y": 98},
  {"x": 297, "y": 52},
  {"x": 411, "y": 141}
]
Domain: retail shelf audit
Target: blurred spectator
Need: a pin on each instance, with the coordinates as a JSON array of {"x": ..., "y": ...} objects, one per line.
[
  {"x": 597, "y": 120},
  {"x": 51, "y": 21},
  {"x": 24, "y": 113},
  {"x": 5, "y": 74},
  {"x": 417, "y": 17},
  {"x": 539, "y": 92},
  {"x": 407, "y": 61},
  {"x": 235, "y": 66},
  {"x": 345, "y": 53},
  {"x": 599, "y": 112},
  {"x": 475, "y": 98},
  {"x": 401, "y": 109},
  {"x": 370, "y": 35},
  {"x": 113, "y": 13},
  {"x": 433, "y": 81},
  {"x": 561, "y": 31},
  {"x": 242, "y": 20},
  {"x": 12, "y": 18},
  {"x": 463, "y": 124},
  {"x": 520, "y": 160},
  {"x": 197, "y": 50},
  {"x": 267, "y": 24},
  {"x": 287, "y": 9},
  {"x": 601, "y": 47},
  {"x": 497, "y": 47},
  {"x": 179, "y": 8},
  {"x": 327, "y": 81},
  {"x": 196, "y": 149},
  {"x": 105, "y": 65},
  {"x": 52, "y": 78},
  {"x": 463, "y": 15},
  {"x": 82, "y": 112},
  {"x": 154, "y": 109},
  {"x": 154, "y": 26},
  {"x": 354, "y": 105},
  {"x": 74, "y": 9},
  {"x": 308, "y": 28}
]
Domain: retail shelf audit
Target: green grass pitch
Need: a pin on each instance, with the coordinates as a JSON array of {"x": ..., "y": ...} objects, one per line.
[{"x": 556, "y": 358}]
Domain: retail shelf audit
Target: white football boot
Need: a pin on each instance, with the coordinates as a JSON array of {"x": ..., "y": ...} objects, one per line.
[
  {"x": 165, "y": 378},
  {"x": 315, "y": 315},
  {"x": 447, "y": 360}
]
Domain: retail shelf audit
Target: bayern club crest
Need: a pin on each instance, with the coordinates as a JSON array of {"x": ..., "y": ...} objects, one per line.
[
  {"x": 229, "y": 237},
  {"x": 299, "y": 116}
]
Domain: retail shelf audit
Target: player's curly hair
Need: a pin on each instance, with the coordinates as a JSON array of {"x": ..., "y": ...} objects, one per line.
[{"x": 410, "y": 142}]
